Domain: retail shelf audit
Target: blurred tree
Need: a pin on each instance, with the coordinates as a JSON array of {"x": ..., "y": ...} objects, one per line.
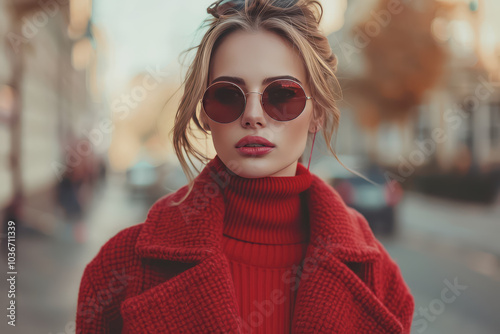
[{"x": 403, "y": 60}]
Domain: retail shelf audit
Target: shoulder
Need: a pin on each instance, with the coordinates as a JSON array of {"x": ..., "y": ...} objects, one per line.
[
  {"x": 388, "y": 266},
  {"x": 107, "y": 280},
  {"x": 118, "y": 248},
  {"x": 385, "y": 278},
  {"x": 388, "y": 283},
  {"x": 116, "y": 262},
  {"x": 119, "y": 253}
]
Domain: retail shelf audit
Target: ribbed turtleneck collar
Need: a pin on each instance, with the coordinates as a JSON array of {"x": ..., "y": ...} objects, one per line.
[{"x": 268, "y": 210}]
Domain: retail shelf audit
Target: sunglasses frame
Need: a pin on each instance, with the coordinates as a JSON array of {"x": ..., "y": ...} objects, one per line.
[{"x": 261, "y": 102}]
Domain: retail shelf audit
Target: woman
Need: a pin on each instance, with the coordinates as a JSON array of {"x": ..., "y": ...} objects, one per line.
[{"x": 255, "y": 243}]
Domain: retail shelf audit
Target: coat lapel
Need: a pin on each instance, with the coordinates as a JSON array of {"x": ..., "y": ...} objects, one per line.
[
  {"x": 331, "y": 297},
  {"x": 202, "y": 298}
]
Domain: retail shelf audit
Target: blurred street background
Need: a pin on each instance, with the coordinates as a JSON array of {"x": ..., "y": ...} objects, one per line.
[{"x": 88, "y": 94}]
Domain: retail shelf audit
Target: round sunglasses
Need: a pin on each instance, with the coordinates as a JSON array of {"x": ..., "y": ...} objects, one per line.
[{"x": 283, "y": 100}]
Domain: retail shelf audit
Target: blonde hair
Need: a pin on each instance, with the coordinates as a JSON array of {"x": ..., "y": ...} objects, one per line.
[{"x": 295, "y": 20}]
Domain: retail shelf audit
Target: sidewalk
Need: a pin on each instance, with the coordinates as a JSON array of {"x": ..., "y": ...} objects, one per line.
[{"x": 50, "y": 267}]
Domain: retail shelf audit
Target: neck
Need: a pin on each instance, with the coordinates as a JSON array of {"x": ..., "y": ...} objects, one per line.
[{"x": 268, "y": 210}]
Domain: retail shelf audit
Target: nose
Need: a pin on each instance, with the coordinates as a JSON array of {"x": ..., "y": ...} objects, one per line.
[{"x": 253, "y": 116}]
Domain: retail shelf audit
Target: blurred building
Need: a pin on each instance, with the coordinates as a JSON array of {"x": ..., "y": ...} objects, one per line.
[
  {"x": 45, "y": 103},
  {"x": 422, "y": 83}
]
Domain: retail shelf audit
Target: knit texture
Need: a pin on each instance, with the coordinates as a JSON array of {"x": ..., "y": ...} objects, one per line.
[
  {"x": 266, "y": 210},
  {"x": 169, "y": 274},
  {"x": 265, "y": 238}
]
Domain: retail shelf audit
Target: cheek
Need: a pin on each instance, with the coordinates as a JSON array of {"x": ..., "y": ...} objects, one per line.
[
  {"x": 221, "y": 133},
  {"x": 292, "y": 134},
  {"x": 297, "y": 129}
]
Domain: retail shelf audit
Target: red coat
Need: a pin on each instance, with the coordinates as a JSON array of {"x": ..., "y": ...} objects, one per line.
[{"x": 169, "y": 275}]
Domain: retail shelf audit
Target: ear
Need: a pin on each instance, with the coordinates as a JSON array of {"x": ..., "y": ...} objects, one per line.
[{"x": 316, "y": 124}]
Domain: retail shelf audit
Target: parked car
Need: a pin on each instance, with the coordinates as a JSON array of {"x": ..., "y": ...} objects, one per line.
[{"x": 375, "y": 201}]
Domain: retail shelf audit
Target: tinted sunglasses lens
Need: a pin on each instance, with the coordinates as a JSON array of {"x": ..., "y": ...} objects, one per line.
[
  {"x": 284, "y": 100},
  {"x": 223, "y": 102}
]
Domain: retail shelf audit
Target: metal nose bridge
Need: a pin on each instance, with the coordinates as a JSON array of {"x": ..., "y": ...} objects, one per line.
[{"x": 261, "y": 102}]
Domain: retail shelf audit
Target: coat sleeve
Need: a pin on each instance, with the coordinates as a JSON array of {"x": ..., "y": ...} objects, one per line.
[{"x": 393, "y": 291}]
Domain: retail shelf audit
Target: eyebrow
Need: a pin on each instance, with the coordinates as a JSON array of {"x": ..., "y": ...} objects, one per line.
[{"x": 240, "y": 81}]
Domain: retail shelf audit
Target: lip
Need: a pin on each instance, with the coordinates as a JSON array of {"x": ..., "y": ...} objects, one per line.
[
  {"x": 254, "y": 140},
  {"x": 255, "y": 151}
]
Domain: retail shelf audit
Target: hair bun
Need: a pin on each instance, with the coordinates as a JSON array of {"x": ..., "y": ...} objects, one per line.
[{"x": 222, "y": 7}]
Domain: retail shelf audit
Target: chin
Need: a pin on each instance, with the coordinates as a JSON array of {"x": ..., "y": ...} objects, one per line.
[{"x": 253, "y": 167}]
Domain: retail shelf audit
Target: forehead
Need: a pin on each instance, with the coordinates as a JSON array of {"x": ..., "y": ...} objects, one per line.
[{"x": 254, "y": 56}]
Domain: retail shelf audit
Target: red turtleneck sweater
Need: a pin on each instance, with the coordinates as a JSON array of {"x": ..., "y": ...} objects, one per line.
[{"x": 266, "y": 233}]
